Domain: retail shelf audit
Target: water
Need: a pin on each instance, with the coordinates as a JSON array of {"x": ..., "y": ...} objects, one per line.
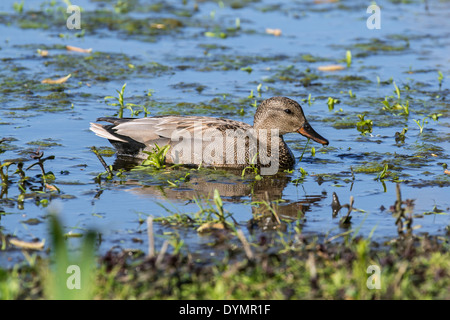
[{"x": 191, "y": 73}]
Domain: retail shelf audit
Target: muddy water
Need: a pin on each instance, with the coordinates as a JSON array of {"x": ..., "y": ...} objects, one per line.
[{"x": 206, "y": 58}]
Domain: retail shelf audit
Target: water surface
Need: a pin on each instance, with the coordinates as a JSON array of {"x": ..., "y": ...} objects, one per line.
[{"x": 206, "y": 61}]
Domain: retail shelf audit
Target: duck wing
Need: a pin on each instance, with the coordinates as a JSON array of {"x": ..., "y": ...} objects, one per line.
[
  {"x": 145, "y": 130},
  {"x": 130, "y": 135}
]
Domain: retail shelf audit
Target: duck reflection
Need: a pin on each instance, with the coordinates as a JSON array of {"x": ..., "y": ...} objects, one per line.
[{"x": 266, "y": 195}]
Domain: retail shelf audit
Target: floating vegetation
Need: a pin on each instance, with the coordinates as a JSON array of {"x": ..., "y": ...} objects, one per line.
[{"x": 364, "y": 125}]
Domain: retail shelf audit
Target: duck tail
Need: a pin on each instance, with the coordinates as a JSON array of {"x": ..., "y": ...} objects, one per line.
[{"x": 102, "y": 131}]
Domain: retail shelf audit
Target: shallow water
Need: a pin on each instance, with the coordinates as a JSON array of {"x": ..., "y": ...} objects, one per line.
[{"x": 190, "y": 72}]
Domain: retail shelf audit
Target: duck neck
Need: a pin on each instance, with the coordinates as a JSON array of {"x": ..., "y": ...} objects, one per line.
[{"x": 271, "y": 146}]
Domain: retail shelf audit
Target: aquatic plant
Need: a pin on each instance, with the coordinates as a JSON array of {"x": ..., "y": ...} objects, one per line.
[
  {"x": 300, "y": 179},
  {"x": 45, "y": 175},
  {"x": 403, "y": 216},
  {"x": 396, "y": 106},
  {"x": 4, "y": 174},
  {"x": 216, "y": 34},
  {"x": 348, "y": 58},
  {"x": 122, "y": 105},
  {"x": 119, "y": 100},
  {"x": 253, "y": 168},
  {"x": 266, "y": 206},
  {"x": 309, "y": 100},
  {"x": 207, "y": 218},
  {"x": 424, "y": 121},
  {"x": 364, "y": 125},
  {"x": 176, "y": 183},
  {"x": 331, "y": 102},
  {"x": 247, "y": 69},
  {"x": 397, "y": 90},
  {"x": 109, "y": 172},
  {"x": 383, "y": 173},
  {"x": 258, "y": 89},
  {"x": 440, "y": 78},
  {"x": 157, "y": 157},
  {"x": 400, "y": 136}
]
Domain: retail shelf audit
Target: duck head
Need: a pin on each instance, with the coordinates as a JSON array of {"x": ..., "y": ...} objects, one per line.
[{"x": 287, "y": 116}]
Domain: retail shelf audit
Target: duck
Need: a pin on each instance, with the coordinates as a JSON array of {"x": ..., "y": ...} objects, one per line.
[{"x": 214, "y": 142}]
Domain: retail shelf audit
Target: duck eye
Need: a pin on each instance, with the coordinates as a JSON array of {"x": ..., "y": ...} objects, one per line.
[{"x": 288, "y": 111}]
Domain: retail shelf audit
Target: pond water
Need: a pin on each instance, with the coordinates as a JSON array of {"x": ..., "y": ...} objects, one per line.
[{"x": 209, "y": 58}]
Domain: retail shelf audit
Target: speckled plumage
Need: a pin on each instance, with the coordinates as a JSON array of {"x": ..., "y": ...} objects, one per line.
[{"x": 213, "y": 141}]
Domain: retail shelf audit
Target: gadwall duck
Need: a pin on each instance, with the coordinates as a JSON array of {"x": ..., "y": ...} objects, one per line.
[{"x": 217, "y": 142}]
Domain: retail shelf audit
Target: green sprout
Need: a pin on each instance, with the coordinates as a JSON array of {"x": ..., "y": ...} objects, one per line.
[
  {"x": 383, "y": 173},
  {"x": 258, "y": 88},
  {"x": 119, "y": 100},
  {"x": 364, "y": 125},
  {"x": 348, "y": 58},
  {"x": 331, "y": 102},
  {"x": 18, "y": 7},
  {"x": 310, "y": 100},
  {"x": 247, "y": 69},
  {"x": 440, "y": 78},
  {"x": 421, "y": 124},
  {"x": 396, "y": 106},
  {"x": 252, "y": 167},
  {"x": 122, "y": 105},
  {"x": 397, "y": 90},
  {"x": 156, "y": 157}
]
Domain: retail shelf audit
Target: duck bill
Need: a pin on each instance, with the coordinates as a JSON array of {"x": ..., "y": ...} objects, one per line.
[{"x": 309, "y": 132}]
